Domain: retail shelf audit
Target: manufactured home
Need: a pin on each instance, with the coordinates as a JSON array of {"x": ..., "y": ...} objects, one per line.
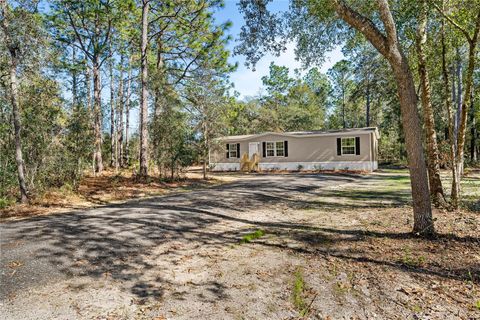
[{"x": 348, "y": 149}]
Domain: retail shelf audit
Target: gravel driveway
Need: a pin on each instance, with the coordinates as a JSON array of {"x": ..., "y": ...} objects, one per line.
[
  {"x": 278, "y": 246},
  {"x": 174, "y": 256}
]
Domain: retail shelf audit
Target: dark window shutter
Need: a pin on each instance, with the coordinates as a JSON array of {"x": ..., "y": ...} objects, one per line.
[
  {"x": 228, "y": 149},
  {"x": 264, "y": 149},
  {"x": 357, "y": 145},
  {"x": 339, "y": 146},
  {"x": 238, "y": 150},
  {"x": 286, "y": 148}
]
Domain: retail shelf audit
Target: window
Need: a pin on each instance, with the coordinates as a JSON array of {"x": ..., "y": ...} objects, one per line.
[
  {"x": 232, "y": 150},
  {"x": 280, "y": 150},
  {"x": 275, "y": 149},
  {"x": 348, "y": 146},
  {"x": 270, "y": 149}
]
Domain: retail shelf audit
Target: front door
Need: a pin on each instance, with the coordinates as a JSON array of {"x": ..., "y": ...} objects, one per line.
[{"x": 252, "y": 148}]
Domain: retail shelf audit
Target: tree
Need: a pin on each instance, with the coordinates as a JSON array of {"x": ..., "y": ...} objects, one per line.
[
  {"x": 206, "y": 104},
  {"x": 13, "y": 48},
  {"x": 91, "y": 22},
  {"x": 143, "y": 171},
  {"x": 340, "y": 75},
  {"x": 183, "y": 40},
  {"x": 128, "y": 107},
  {"x": 436, "y": 188},
  {"x": 113, "y": 132},
  {"x": 319, "y": 20},
  {"x": 470, "y": 13}
]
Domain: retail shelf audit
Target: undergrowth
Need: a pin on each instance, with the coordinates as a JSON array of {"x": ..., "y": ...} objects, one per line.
[{"x": 252, "y": 236}]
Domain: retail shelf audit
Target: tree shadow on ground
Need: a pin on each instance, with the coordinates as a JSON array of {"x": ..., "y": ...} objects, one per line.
[{"x": 136, "y": 243}]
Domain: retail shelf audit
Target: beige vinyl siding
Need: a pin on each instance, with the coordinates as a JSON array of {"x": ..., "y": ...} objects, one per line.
[{"x": 303, "y": 148}]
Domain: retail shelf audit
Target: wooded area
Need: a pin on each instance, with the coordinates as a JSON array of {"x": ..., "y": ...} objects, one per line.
[{"x": 74, "y": 72}]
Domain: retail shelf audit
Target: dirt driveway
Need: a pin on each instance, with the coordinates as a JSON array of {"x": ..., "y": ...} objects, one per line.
[{"x": 306, "y": 251}]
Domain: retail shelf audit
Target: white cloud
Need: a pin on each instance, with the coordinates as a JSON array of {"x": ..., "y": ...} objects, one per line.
[{"x": 249, "y": 83}]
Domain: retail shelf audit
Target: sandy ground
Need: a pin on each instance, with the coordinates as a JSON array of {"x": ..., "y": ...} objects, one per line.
[{"x": 344, "y": 238}]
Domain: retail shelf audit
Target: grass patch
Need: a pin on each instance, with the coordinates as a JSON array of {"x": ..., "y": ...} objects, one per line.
[
  {"x": 298, "y": 293},
  {"x": 6, "y": 202},
  {"x": 252, "y": 236},
  {"x": 410, "y": 260}
]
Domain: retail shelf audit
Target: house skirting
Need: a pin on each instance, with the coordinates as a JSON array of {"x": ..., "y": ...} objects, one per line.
[{"x": 293, "y": 166}]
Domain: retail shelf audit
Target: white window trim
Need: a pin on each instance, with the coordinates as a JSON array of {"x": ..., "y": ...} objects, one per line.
[
  {"x": 230, "y": 150},
  {"x": 283, "y": 149},
  {"x": 274, "y": 148},
  {"x": 354, "y": 146}
]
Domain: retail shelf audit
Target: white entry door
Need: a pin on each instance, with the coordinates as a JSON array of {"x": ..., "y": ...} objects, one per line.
[{"x": 252, "y": 148}]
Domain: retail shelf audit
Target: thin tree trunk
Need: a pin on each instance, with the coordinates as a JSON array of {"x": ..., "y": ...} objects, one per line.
[
  {"x": 74, "y": 79},
  {"x": 205, "y": 148},
  {"x": 76, "y": 112},
  {"x": 447, "y": 97},
  {"x": 433, "y": 161},
  {"x": 120, "y": 108},
  {"x": 388, "y": 46},
  {"x": 473, "y": 133},
  {"x": 343, "y": 105},
  {"x": 90, "y": 108},
  {"x": 88, "y": 84},
  {"x": 127, "y": 112},
  {"x": 465, "y": 104},
  {"x": 204, "y": 168},
  {"x": 367, "y": 116},
  {"x": 144, "y": 93},
  {"x": 97, "y": 114},
  {"x": 453, "y": 102},
  {"x": 113, "y": 154},
  {"x": 472, "y": 45},
  {"x": 17, "y": 125},
  {"x": 458, "y": 94}
]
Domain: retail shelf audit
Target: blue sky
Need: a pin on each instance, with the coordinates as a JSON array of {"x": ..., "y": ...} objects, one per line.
[{"x": 249, "y": 82}]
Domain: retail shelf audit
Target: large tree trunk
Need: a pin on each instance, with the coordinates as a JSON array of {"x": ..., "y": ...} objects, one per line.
[
  {"x": 144, "y": 94},
  {"x": 97, "y": 116},
  {"x": 447, "y": 97},
  {"x": 388, "y": 46},
  {"x": 113, "y": 138},
  {"x": 17, "y": 125},
  {"x": 433, "y": 161},
  {"x": 120, "y": 107},
  {"x": 423, "y": 223}
]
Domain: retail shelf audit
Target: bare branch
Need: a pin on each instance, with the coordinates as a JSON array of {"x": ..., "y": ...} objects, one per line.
[{"x": 77, "y": 34}]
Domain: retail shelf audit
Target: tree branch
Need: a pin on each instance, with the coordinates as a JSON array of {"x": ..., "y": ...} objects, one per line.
[
  {"x": 77, "y": 34},
  {"x": 453, "y": 22},
  {"x": 388, "y": 22},
  {"x": 363, "y": 25}
]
